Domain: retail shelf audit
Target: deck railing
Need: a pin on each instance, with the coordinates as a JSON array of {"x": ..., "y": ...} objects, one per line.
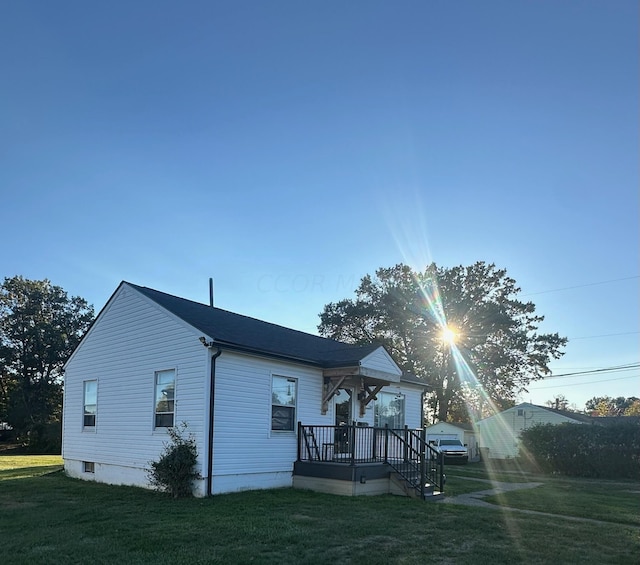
[
  {"x": 421, "y": 465},
  {"x": 404, "y": 449}
]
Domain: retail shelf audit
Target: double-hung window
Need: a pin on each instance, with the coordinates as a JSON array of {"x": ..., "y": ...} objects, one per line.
[
  {"x": 389, "y": 410},
  {"x": 90, "y": 404},
  {"x": 165, "y": 386},
  {"x": 283, "y": 403}
]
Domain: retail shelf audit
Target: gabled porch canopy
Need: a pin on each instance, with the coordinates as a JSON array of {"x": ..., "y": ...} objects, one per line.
[{"x": 367, "y": 376}]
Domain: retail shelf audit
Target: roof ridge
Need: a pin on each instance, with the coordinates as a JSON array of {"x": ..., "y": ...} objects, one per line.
[
  {"x": 252, "y": 334},
  {"x": 246, "y": 316}
]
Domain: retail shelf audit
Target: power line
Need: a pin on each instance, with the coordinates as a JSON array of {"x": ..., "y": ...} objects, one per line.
[
  {"x": 601, "y": 335},
  {"x": 614, "y": 369},
  {"x": 589, "y": 383},
  {"x": 581, "y": 285}
]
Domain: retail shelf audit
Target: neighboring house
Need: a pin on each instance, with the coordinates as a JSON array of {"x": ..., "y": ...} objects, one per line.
[
  {"x": 499, "y": 435},
  {"x": 458, "y": 430},
  {"x": 152, "y": 360}
]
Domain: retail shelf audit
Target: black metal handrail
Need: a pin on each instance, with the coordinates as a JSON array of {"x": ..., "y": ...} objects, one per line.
[
  {"x": 405, "y": 450},
  {"x": 421, "y": 465}
]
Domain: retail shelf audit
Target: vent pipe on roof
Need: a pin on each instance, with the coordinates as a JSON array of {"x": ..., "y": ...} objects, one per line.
[{"x": 211, "y": 292}]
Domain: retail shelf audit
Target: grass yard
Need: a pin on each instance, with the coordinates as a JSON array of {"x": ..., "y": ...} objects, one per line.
[
  {"x": 50, "y": 518},
  {"x": 21, "y": 466},
  {"x": 610, "y": 501}
]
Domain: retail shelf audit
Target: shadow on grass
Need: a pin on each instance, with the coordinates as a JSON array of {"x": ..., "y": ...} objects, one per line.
[{"x": 23, "y": 472}]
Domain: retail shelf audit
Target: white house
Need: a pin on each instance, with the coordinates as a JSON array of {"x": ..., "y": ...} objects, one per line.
[
  {"x": 152, "y": 360},
  {"x": 499, "y": 435}
]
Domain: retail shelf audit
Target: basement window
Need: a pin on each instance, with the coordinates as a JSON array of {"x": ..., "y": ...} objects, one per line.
[{"x": 89, "y": 466}]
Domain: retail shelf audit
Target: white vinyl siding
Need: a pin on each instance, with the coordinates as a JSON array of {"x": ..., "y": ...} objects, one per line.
[
  {"x": 132, "y": 339},
  {"x": 380, "y": 361},
  {"x": 245, "y": 447}
]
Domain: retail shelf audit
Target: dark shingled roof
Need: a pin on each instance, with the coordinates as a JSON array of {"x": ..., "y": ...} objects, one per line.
[{"x": 249, "y": 334}]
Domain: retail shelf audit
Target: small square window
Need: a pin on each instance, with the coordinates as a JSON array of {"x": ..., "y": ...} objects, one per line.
[{"x": 89, "y": 467}]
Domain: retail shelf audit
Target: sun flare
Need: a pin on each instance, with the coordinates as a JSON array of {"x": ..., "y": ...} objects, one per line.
[{"x": 449, "y": 336}]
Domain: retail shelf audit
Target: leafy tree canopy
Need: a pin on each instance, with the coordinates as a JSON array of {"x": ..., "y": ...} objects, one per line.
[
  {"x": 607, "y": 406},
  {"x": 461, "y": 329},
  {"x": 40, "y": 326}
]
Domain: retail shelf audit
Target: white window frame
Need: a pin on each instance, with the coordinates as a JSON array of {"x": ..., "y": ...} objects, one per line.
[
  {"x": 86, "y": 414},
  {"x": 293, "y": 382},
  {"x": 157, "y": 413},
  {"x": 395, "y": 395}
]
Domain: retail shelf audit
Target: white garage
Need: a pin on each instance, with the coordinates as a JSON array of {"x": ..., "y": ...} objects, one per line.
[{"x": 461, "y": 431}]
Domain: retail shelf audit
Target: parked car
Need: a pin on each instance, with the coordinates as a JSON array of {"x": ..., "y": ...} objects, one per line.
[{"x": 453, "y": 450}]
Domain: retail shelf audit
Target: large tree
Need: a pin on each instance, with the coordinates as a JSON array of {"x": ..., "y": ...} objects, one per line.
[
  {"x": 607, "y": 406},
  {"x": 461, "y": 329},
  {"x": 40, "y": 326}
]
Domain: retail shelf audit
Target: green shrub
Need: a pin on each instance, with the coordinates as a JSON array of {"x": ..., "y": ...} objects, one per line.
[
  {"x": 584, "y": 450},
  {"x": 175, "y": 471}
]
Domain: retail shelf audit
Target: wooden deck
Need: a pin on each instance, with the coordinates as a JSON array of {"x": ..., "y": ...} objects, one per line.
[{"x": 355, "y": 460}]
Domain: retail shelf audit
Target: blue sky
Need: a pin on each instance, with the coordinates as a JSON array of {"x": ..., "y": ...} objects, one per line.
[{"x": 289, "y": 148}]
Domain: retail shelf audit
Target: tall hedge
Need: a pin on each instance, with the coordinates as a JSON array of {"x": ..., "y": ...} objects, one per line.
[{"x": 586, "y": 450}]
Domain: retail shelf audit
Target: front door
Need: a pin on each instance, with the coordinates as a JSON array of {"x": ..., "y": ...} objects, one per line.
[{"x": 344, "y": 416}]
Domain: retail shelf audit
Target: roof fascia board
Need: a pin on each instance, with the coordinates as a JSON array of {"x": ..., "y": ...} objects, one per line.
[
  {"x": 382, "y": 375},
  {"x": 359, "y": 371},
  {"x": 420, "y": 386},
  {"x": 266, "y": 354}
]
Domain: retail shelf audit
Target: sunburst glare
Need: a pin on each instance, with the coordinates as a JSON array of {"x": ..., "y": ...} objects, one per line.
[
  {"x": 476, "y": 398},
  {"x": 449, "y": 336}
]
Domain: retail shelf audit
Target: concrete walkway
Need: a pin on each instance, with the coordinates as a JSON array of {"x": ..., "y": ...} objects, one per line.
[{"x": 475, "y": 499}]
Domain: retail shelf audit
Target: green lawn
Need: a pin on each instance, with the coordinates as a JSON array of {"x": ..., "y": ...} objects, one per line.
[
  {"x": 610, "y": 501},
  {"x": 21, "y": 466},
  {"x": 50, "y": 518}
]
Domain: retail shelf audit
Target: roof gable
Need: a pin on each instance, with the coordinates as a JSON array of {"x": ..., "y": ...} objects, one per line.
[
  {"x": 575, "y": 416},
  {"x": 462, "y": 426},
  {"x": 380, "y": 360},
  {"x": 582, "y": 418}
]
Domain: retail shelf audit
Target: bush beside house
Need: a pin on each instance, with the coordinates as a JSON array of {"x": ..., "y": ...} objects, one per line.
[{"x": 610, "y": 451}]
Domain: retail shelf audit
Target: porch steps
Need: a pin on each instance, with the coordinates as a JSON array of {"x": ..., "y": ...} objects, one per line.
[{"x": 411, "y": 487}]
